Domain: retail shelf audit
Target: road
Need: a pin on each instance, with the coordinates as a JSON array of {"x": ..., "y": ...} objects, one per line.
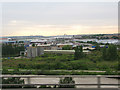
[{"x": 59, "y": 70}]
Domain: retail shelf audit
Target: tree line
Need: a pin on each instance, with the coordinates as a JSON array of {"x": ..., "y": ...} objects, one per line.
[
  {"x": 10, "y": 50},
  {"x": 110, "y": 52}
]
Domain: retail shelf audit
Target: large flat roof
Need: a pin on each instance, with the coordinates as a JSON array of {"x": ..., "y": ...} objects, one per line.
[{"x": 64, "y": 51}]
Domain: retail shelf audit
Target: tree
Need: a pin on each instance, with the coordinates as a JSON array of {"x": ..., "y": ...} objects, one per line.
[
  {"x": 115, "y": 37},
  {"x": 97, "y": 46},
  {"x": 104, "y": 53},
  {"x": 9, "y": 50},
  {"x": 109, "y": 53},
  {"x": 12, "y": 80},
  {"x": 67, "y": 47},
  {"x": 78, "y": 52},
  {"x": 33, "y": 45},
  {"x": 112, "y": 52},
  {"x": 67, "y": 80},
  {"x": 45, "y": 43}
]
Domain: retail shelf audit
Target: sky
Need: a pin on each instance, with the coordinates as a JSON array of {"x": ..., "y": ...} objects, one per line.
[{"x": 59, "y": 18}]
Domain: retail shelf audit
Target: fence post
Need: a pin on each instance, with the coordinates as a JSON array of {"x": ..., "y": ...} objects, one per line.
[{"x": 98, "y": 80}]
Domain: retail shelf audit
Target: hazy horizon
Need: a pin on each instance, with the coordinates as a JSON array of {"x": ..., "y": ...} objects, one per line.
[
  {"x": 55, "y": 35},
  {"x": 53, "y": 18}
]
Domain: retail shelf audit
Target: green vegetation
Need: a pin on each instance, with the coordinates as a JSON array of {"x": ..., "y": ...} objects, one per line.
[
  {"x": 33, "y": 45},
  {"x": 17, "y": 80},
  {"x": 78, "y": 52},
  {"x": 12, "y": 80},
  {"x": 67, "y": 80},
  {"x": 110, "y": 53},
  {"x": 102, "y": 59},
  {"x": 67, "y": 47},
  {"x": 9, "y": 50},
  {"x": 116, "y": 37},
  {"x": 61, "y": 72}
]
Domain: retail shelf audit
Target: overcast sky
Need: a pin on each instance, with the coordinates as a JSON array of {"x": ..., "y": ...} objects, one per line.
[{"x": 50, "y": 18}]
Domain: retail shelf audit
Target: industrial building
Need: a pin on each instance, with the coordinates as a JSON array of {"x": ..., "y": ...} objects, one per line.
[
  {"x": 64, "y": 51},
  {"x": 34, "y": 51}
]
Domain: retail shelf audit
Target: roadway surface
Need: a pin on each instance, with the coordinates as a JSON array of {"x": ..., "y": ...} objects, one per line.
[{"x": 59, "y": 70}]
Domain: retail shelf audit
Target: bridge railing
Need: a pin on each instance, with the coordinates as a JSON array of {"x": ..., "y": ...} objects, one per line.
[{"x": 29, "y": 77}]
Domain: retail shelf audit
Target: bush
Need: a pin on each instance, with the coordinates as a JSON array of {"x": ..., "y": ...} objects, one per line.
[
  {"x": 12, "y": 81},
  {"x": 67, "y": 80}
]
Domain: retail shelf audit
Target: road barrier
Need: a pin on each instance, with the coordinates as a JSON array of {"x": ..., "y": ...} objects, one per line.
[{"x": 29, "y": 77}]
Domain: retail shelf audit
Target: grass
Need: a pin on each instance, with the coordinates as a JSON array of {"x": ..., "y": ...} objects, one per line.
[{"x": 92, "y": 61}]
